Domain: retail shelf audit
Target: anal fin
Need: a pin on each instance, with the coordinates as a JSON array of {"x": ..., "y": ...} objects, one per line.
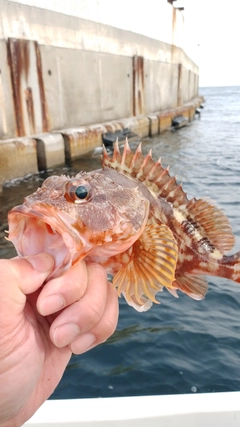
[{"x": 194, "y": 286}]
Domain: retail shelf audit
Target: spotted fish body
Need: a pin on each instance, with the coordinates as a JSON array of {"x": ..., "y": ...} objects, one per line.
[
  {"x": 200, "y": 230},
  {"x": 136, "y": 221}
]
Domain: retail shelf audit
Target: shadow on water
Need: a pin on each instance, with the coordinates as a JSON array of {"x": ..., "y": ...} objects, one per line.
[
  {"x": 182, "y": 345},
  {"x": 129, "y": 331}
]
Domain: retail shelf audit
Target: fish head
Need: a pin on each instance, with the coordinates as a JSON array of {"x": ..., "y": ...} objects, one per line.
[{"x": 69, "y": 217}]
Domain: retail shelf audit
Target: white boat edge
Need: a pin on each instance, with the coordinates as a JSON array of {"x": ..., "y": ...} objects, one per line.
[{"x": 182, "y": 410}]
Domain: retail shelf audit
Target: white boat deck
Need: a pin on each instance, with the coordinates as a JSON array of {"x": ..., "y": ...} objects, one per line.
[{"x": 188, "y": 410}]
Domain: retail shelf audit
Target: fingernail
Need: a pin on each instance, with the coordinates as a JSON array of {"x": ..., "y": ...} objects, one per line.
[
  {"x": 51, "y": 304},
  {"x": 83, "y": 343},
  {"x": 65, "y": 334},
  {"x": 41, "y": 262}
]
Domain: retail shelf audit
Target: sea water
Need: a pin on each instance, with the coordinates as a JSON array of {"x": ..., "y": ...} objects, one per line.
[{"x": 181, "y": 345}]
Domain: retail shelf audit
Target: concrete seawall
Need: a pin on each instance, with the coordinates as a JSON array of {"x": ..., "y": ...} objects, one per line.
[
  {"x": 65, "y": 80},
  {"x": 27, "y": 155}
]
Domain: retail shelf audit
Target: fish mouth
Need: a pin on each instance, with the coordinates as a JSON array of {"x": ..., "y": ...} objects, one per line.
[
  {"x": 39, "y": 227},
  {"x": 43, "y": 230}
]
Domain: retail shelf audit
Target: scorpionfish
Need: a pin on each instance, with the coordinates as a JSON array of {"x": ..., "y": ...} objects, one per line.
[{"x": 134, "y": 219}]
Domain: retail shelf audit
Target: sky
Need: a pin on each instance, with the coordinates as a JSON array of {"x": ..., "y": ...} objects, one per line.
[{"x": 213, "y": 37}]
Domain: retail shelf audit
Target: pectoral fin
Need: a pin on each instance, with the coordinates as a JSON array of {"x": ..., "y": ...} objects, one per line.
[{"x": 149, "y": 266}]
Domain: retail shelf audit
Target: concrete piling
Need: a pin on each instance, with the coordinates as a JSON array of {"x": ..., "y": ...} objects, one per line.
[
  {"x": 18, "y": 157},
  {"x": 50, "y": 150}
]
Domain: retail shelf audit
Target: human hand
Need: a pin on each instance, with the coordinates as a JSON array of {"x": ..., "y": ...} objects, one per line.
[{"x": 40, "y": 328}]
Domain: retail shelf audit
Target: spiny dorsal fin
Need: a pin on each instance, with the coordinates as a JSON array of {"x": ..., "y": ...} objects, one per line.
[
  {"x": 149, "y": 265},
  {"x": 151, "y": 173},
  {"x": 211, "y": 222}
]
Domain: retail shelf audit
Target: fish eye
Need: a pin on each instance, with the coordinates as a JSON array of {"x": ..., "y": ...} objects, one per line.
[
  {"x": 78, "y": 191},
  {"x": 81, "y": 192}
]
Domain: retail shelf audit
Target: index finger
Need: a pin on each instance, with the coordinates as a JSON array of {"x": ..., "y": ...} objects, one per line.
[
  {"x": 84, "y": 314},
  {"x": 62, "y": 291}
]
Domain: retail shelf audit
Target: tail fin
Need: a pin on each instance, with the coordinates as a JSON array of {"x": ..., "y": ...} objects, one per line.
[{"x": 230, "y": 267}]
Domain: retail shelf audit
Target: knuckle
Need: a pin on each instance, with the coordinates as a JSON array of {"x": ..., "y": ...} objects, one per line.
[
  {"x": 94, "y": 312},
  {"x": 106, "y": 330}
]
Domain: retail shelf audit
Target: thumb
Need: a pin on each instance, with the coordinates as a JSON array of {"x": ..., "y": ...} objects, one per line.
[
  {"x": 41, "y": 265},
  {"x": 19, "y": 277}
]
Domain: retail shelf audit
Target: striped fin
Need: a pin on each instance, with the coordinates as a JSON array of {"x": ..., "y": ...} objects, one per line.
[
  {"x": 151, "y": 264},
  {"x": 211, "y": 224},
  {"x": 194, "y": 286},
  {"x": 151, "y": 173}
]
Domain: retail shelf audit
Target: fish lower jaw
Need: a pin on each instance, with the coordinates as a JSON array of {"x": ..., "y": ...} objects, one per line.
[{"x": 32, "y": 235}]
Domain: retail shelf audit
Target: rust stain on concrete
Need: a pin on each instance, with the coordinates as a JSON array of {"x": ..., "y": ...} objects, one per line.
[
  {"x": 179, "y": 86},
  {"x": 30, "y": 109},
  {"x": 24, "y": 62},
  {"x": 138, "y": 85},
  {"x": 18, "y": 61},
  {"x": 45, "y": 121}
]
